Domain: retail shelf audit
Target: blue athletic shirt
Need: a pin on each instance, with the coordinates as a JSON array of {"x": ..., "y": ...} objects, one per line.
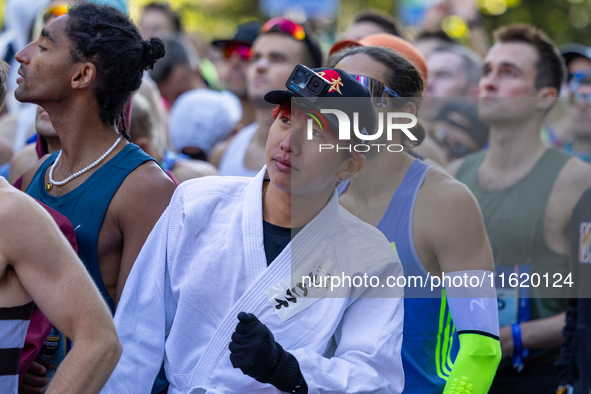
[
  {"x": 86, "y": 205},
  {"x": 430, "y": 342},
  {"x": 170, "y": 158}
]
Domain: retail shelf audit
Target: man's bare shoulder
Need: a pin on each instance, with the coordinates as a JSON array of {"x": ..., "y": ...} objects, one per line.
[
  {"x": 145, "y": 191},
  {"x": 17, "y": 210},
  {"x": 8, "y": 124},
  {"x": 189, "y": 169},
  {"x": 218, "y": 151},
  {"x": 5, "y": 152},
  {"x": 148, "y": 178},
  {"x": 9, "y": 199},
  {"x": 140, "y": 200},
  {"x": 573, "y": 179},
  {"x": 576, "y": 174}
]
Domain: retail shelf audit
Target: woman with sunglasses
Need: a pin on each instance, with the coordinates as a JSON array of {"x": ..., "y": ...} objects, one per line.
[{"x": 437, "y": 228}]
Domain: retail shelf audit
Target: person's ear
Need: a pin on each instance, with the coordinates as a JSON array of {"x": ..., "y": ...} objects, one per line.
[
  {"x": 84, "y": 75},
  {"x": 409, "y": 107},
  {"x": 547, "y": 97},
  {"x": 351, "y": 167}
]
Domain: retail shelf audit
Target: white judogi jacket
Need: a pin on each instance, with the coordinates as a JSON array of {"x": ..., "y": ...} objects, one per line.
[{"x": 204, "y": 262}]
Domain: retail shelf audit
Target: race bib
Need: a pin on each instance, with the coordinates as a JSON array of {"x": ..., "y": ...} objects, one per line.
[
  {"x": 507, "y": 301},
  {"x": 512, "y": 295}
]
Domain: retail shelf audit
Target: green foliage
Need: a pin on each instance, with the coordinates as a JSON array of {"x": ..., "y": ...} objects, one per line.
[
  {"x": 210, "y": 19},
  {"x": 564, "y": 21}
]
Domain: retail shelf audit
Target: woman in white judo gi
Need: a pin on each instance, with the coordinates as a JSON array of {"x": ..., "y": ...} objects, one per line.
[{"x": 219, "y": 291}]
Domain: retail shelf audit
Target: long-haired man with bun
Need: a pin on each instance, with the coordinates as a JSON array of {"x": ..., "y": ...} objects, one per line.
[{"x": 82, "y": 70}]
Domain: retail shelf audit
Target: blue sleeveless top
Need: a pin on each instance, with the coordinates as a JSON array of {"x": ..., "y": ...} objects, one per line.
[
  {"x": 430, "y": 342},
  {"x": 171, "y": 158},
  {"x": 86, "y": 205}
]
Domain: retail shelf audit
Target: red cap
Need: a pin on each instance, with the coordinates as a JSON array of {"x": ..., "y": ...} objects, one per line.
[{"x": 397, "y": 44}]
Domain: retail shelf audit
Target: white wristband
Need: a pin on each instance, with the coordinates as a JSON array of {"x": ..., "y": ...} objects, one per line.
[{"x": 473, "y": 308}]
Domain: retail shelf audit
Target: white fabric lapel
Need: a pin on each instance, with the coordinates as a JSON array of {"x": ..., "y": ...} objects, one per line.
[
  {"x": 259, "y": 276},
  {"x": 252, "y": 229}
]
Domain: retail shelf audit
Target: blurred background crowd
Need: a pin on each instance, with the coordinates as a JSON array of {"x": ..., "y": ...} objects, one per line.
[
  {"x": 209, "y": 46},
  {"x": 200, "y": 111}
]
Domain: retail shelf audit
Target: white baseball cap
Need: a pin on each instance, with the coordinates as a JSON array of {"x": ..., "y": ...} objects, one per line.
[{"x": 201, "y": 118}]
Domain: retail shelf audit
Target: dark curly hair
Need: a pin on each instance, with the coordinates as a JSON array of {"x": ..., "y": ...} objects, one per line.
[{"x": 107, "y": 37}]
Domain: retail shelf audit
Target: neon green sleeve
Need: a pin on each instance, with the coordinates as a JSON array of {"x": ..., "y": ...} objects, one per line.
[{"x": 475, "y": 366}]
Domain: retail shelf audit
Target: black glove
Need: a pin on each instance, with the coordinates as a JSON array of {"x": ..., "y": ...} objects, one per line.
[{"x": 254, "y": 350}]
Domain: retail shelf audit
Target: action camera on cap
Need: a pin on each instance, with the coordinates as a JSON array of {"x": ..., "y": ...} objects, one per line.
[{"x": 306, "y": 83}]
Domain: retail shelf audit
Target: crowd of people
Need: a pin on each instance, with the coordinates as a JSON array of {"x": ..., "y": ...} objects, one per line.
[{"x": 173, "y": 220}]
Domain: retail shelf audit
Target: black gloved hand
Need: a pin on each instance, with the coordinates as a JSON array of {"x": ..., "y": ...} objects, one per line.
[
  {"x": 254, "y": 350},
  {"x": 253, "y": 347}
]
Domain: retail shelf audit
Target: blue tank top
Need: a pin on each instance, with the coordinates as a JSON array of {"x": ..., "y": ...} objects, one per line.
[
  {"x": 86, "y": 205},
  {"x": 430, "y": 342},
  {"x": 170, "y": 158}
]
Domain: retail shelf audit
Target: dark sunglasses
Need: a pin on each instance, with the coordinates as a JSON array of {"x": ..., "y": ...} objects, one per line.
[
  {"x": 242, "y": 50},
  {"x": 581, "y": 98},
  {"x": 578, "y": 78},
  {"x": 377, "y": 89}
]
